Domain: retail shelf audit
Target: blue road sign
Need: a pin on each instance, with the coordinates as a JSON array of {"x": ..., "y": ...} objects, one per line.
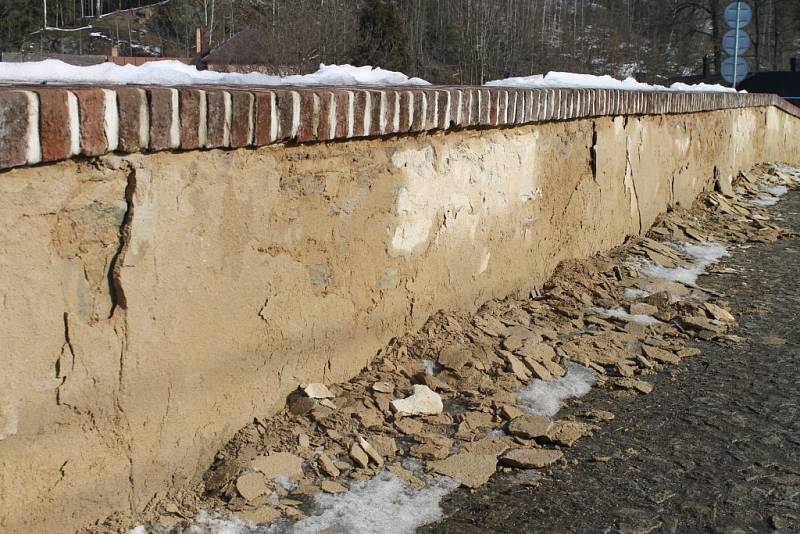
[
  {"x": 738, "y": 14},
  {"x": 729, "y": 66},
  {"x": 733, "y": 46}
]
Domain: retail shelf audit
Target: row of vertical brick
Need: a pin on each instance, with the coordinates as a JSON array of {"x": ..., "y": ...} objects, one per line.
[{"x": 51, "y": 124}]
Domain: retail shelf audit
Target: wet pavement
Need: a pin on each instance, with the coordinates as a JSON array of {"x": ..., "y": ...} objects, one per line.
[{"x": 714, "y": 448}]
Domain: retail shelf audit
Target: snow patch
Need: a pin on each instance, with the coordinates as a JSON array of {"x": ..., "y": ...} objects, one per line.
[
  {"x": 170, "y": 72},
  {"x": 571, "y": 80},
  {"x": 619, "y": 313},
  {"x": 775, "y": 190},
  {"x": 544, "y": 398},
  {"x": 383, "y": 504},
  {"x": 633, "y": 293},
  {"x": 703, "y": 254}
]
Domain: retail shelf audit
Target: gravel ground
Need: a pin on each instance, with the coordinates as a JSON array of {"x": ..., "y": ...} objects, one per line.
[{"x": 714, "y": 448}]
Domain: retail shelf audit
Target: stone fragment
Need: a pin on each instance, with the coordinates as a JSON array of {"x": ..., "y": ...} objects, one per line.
[
  {"x": 535, "y": 350},
  {"x": 640, "y": 308},
  {"x": 493, "y": 445},
  {"x": 327, "y": 466},
  {"x": 516, "y": 366},
  {"x": 530, "y": 458},
  {"x": 424, "y": 401},
  {"x": 689, "y": 352},
  {"x": 329, "y": 486},
  {"x": 455, "y": 357},
  {"x": 430, "y": 451},
  {"x": 719, "y": 313},
  {"x": 471, "y": 469},
  {"x": 383, "y": 387},
  {"x": 374, "y": 455},
  {"x": 478, "y": 419},
  {"x": 385, "y": 445},
  {"x": 279, "y": 464},
  {"x": 409, "y": 427},
  {"x": 317, "y": 391},
  {"x": 539, "y": 370},
  {"x": 530, "y": 426},
  {"x": 513, "y": 342},
  {"x": 251, "y": 485},
  {"x": 599, "y": 415},
  {"x": 510, "y": 412},
  {"x": 567, "y": 432},
  {"x": 661, "y": 355},
  {"x": 303, "y": 441},
  {"x": 358, "y": 455},
  {"x": 632, "y": 383},
  {"x": 554, "y": 369}
]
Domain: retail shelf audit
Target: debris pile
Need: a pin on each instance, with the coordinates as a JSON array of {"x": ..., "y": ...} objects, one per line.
[{"x": 470, "y": 395}]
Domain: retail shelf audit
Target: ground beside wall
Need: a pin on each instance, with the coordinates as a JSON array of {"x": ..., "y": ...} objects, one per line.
[{"x": 154, "y": 304}]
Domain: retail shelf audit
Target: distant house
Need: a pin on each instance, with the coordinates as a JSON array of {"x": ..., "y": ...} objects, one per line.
[
  {"x": 782, "y": 83},
  {"x": 247, "y": 51}
]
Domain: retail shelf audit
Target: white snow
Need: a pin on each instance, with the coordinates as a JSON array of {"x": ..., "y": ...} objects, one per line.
[
  {"x": 632, "y": 293},
  {"x": 764, "y": 201},
  {"x": 620, "y": 313},
  {"x": 383, "y": 504},
  {"x": 567, "y": 80},
  {"x": 775, "y": 190},
  {"x": 703, "y": 254},
  {"x": 170, "y": 72},
  {"x": 544, "y": 398}
]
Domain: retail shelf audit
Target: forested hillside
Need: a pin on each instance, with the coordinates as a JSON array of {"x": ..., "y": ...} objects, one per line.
[{"x": 447, "y": 41}]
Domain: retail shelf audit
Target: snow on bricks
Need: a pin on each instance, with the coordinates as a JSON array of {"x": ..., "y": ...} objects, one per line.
[{"x": 56, "y": 123}]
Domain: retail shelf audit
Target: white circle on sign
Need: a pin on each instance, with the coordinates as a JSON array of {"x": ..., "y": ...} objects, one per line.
[
  {"x": 738, "y": 14},
  {"x": 729, "y": 43},
  {"x": 727, "y": 68}
]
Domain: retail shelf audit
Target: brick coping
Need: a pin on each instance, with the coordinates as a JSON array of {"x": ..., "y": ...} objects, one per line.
[{"x": 51, "y": 123}]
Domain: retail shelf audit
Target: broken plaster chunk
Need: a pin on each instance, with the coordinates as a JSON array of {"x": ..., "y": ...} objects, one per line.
[
  {"x": 317, "y": 391},
  {"x": 424, "y": 401},
  {"x": 383, "y": 387},
  {"x": 631, "y": 383},
  {"x": 530, "y": 458},
  {"x": 329, "y": 486},
  {"x": 251, "y": 485},
  {"x": 567, "y": 432},
  {"x": 530, "y": 426},
  {"x": 327, "y": 466},
  {"x": 371, "y": 452},
  {"x": 516, "y": 366},
  {"x": 358, "y": 455},
  {"x": 279, "y": 464},
  {"x": 471, "y": 469},
  {"x": 661, "y": 355}
]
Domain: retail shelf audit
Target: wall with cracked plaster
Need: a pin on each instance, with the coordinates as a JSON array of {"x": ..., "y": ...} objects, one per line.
[{"x": 154, "y": 304}]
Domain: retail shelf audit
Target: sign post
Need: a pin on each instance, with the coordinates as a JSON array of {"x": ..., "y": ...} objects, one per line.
[{"x": 736, "y": 42}]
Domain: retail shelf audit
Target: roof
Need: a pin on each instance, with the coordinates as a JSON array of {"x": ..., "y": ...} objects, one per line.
[
  {"x": 782, "y": 83},
  {"x": 248, "y": 47}
]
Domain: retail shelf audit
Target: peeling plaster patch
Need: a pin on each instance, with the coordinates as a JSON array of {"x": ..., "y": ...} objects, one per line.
[
  {"x": 485, "y": 257},
  {"x": 414, "y": 227},
  {"x": 8, "y": 420}
]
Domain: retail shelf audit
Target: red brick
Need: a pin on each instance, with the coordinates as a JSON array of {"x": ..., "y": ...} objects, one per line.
[
  {"x": 91, "y": 109},
  {"x": 406, "y": 110},
  {"x": 309, "y": 117},
  {"x": 263, "y": 119},
  {"x": 160, "y": 118},
  {"x": 360, "y": 127},
  {"x": 190, "y": 118},
  {"x": 327, "y": 105},
  {"x": 285, "y": 103},
  {"x": 376, "y": 111},
  {"x": 54, "y": 124},
  {"x": 215, "y": 119},
  {"x": 14, "y": 109},
  {"x": 130, "y": 102},
  {"x": 241, "y": 119},
  {"x": 343, "y": 100}
]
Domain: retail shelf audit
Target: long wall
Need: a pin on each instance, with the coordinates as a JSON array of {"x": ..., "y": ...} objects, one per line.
[{"x": 155, "y": 297}]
